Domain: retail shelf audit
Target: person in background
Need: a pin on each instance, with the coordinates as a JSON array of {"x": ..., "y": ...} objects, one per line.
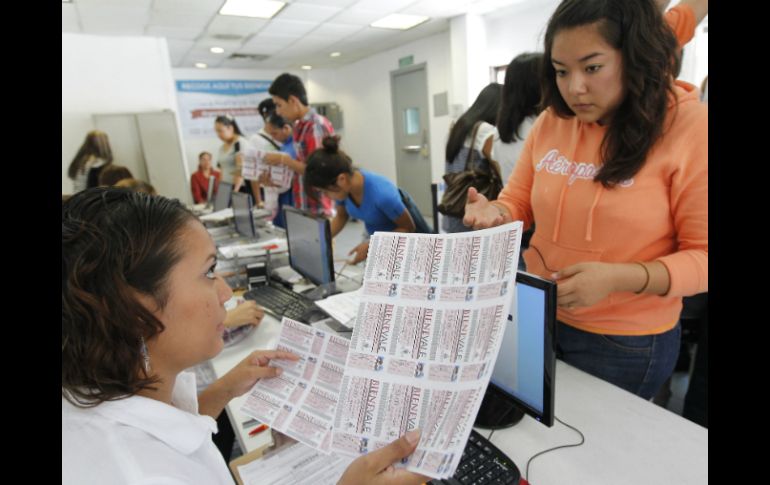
[
  {"x": 310, "y": 128},
  {"x": 95, "y": 152},
  {"x": 280, "y": 131},
  {"x": 614, "y": 133},
  {"x": 519, "y": 106},
  {"x": 199, "y": 181},
  {"x": 137, "y": 185},
  {"x": 362, "y": 194},
  {"x": 112, "y": 174},
  {"x": 483, "y": 112},
  {"x": 229, "y": 158},
  {"x": 266, "y": 107},
  {"x": 141, "y": 302}
]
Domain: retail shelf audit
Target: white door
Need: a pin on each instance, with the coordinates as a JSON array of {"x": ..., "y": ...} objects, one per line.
[{"x": 409, "y": 91}]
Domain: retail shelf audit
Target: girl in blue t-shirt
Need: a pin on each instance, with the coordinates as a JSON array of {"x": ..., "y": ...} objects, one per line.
[{"x": 361, "y": 194}]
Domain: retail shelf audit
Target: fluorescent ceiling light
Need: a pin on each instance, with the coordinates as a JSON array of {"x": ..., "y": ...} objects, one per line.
[
  {"x": 201, "y": 65},
  {"x": 217, "y": 50},
  {"x": 335, "y": 54},
  {"x": 263, "y": 9},
  {"x": 307, "y": 68},
  {"x": 399, "y": 21}
]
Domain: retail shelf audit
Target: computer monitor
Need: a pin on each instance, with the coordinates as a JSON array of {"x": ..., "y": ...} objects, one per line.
[
  {"x": 310, "y": 245},
  {"x": 222, "y": 200},
  {"x": 242, "y": 216},
  {"x": 523, "y": 380},
  {"x": 210, "y": 193}
]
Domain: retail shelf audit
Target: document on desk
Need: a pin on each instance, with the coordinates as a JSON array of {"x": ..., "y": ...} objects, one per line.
[
  {"x": 275, "y": 245},
  {"x": 301, "y": 402},
  {"x": 218, "y": 215},
  {"x": 343, "y": 307},
  {"x": 429, "y": 327},
  {"x": 296, "y": 464}
]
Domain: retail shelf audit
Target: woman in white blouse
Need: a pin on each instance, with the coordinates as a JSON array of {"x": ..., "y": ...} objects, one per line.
[{"x": 140, "y": 303}]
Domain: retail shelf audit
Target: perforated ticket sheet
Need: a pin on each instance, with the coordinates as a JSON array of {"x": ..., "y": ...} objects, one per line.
[
  {"x": 301, "y": 402},
  {"x": 428, "y": 330}
]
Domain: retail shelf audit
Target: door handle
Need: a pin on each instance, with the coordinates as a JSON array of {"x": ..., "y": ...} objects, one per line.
[{"x": 412, "y": 148}]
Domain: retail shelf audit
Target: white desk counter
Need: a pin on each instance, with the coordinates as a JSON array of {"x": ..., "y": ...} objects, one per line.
[{"x": 628, "y": 440}]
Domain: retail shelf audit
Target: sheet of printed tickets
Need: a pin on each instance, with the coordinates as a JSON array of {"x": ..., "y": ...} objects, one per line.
[
  {"x": 429, "y": 327},
  {"x": 301, "y": 402},
  {"x": 254, "y": 165}
]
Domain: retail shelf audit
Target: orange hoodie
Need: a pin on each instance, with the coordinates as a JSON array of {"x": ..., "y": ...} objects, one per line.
[{"x": 660, "y": 214}]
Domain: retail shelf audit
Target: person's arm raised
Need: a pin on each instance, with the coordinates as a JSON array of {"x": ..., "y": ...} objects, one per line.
[{"x": 480, "y": 213}]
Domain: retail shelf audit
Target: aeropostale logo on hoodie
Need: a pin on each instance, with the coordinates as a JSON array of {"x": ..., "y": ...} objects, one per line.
[{"x": 557, "y": 164}]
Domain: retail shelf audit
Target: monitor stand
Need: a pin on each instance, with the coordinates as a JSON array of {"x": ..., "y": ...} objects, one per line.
[
  {"x": 497, "y": 411},
  {"x": 321, "y": 291}
]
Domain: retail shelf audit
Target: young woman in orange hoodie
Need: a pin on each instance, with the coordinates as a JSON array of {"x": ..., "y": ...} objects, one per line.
[{"x": 615, "y": 172}]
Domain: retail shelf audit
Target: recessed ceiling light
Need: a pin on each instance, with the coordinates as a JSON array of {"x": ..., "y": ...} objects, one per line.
[
  {"x": 217, "y": 50},
  {"x": 335, "y": 54},
  {"x": 307, "y": 68},
  {"x": 263, "y": 9},
  {"x": 201, "y": 65},
  {"x": 399, "y": 21}
]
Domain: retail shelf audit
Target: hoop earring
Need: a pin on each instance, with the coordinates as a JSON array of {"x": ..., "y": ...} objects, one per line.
[{"x": 145, "y": 356}]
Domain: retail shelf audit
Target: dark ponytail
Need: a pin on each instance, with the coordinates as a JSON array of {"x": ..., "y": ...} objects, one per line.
[{"x": 326, "y": 163}]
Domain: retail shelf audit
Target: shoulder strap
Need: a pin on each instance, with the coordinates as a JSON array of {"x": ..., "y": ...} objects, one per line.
[
  {"x": 270, "y": 140},
  {"x": 469, "y": 160}
]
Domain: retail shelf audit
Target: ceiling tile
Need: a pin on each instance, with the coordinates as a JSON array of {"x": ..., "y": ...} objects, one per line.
[
  {"x": 173, "y": 32},
  {"x": 331, "y": 3},
  {"x": 229, "y": 25},
  {"x": 357, "y": 17},
  {"x": 270, "y": 42},
  {"x": 177, "y": 19},
  {"x": 307, "y": 12},
  {"x": 139, "y": 4},
  {"x": 382, "y": 6},
  {"x": 209, "y": 7},
  {"x": 336, "y": 30},
  {"x": 438, "y": 8},
  {"x": 288, "y": 27}
]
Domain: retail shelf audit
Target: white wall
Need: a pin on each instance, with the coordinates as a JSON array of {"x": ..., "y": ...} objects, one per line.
[
  {"x": 510, "y": 34},
  {"x": 110, "y": 74},
  {"x": 193, "y": 146},
  {"x": 362, "y": 90}
]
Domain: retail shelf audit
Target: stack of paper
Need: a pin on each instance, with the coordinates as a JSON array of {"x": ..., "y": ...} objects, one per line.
[{"x": 343, "y": 307}]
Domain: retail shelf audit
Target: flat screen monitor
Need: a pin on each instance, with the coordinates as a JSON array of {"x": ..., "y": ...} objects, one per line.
[
  {"x": 210, "y": 192},
  {"x": 222, "y": 200},
  {"x": 310, "y": 245},
  {"x": 523, "y": 380},
  {"x": 242, "y": 216}
]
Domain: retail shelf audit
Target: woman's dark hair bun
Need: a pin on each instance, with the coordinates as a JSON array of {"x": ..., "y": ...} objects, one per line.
[{"x": 331, "y": 144}]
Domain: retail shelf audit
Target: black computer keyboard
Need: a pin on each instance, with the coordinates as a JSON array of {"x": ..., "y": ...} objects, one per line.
[
  {"x": 482, "y": 463},
  {"x": 281, "y": 301}
]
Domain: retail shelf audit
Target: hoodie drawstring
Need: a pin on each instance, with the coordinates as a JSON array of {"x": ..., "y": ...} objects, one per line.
[{"x": 590, "y": 224}]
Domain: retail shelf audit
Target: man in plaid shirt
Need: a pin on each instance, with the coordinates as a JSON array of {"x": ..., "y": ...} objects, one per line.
[{"x": 290, "y": 99}]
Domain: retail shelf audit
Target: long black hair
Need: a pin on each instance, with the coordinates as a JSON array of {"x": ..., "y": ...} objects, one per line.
[
  {"x": 228, "y": 120},
  {"x": 521, "y": 95},
  {"x": 326, "y": 163},
  {"x": 483, "y": 109},
  {"x": 648, "y": 49}
]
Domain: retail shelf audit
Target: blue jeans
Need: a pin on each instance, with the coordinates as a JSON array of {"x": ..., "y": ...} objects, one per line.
[{"x": 639, "y": 364}]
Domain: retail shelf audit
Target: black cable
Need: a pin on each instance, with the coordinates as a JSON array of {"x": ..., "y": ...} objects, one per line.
[{"x": 582, "y": 440}]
